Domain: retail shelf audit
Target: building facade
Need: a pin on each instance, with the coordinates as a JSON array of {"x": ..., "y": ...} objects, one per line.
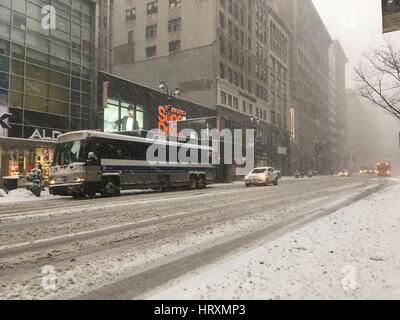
[
  {"x": 342, "y": 121},
  {"x": 46, "y": 77},
  {"x": 229, "y": 55},
  {"x": 317, "y": 88}
]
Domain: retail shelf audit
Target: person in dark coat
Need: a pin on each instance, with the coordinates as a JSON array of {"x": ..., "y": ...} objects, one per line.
[{"x": 128, "y": 123}]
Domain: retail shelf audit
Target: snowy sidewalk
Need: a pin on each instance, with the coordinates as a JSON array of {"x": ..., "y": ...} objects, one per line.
[
  {"x": 352, "y": 254},
  {"x": 23, "y": 195}
]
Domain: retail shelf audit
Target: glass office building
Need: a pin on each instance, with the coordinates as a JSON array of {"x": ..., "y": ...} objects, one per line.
[{"x": 45, "y": 77}]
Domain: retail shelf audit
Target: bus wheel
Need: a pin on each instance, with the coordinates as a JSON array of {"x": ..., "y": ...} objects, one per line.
[
  {"x": 193, "y": 183},
  {"x": 110, "y": 189}
]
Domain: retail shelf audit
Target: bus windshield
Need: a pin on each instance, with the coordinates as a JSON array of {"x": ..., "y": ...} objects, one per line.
[{"x": 69, "y": 152}]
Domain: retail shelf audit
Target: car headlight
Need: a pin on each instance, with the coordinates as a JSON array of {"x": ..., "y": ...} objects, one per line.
[
  {"x": 79, "y": 179},
  {"x": 246, "y": 178},
  {"x": 52, "y": 182}
]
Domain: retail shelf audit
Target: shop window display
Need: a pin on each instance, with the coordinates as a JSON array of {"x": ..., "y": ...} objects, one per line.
[
  {"x": 20, "y": 162},
  {"x": 44, "y": 158}
]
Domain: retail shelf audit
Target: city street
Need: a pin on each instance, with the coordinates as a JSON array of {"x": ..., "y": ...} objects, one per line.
[{"x": 123, "y": 248}]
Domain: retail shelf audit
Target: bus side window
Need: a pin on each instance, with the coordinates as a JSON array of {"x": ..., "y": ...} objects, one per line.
[{"x": 107, "y": 150}]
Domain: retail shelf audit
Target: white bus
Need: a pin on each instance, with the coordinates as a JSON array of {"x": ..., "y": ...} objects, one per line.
[{"x": 91, "y": 162}]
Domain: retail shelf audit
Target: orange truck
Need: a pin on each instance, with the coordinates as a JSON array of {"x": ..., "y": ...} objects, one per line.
[{"x": 383, "y": 169}]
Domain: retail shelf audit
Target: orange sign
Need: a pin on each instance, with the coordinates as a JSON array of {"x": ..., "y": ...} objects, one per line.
[{"x": 166, "y": 115}]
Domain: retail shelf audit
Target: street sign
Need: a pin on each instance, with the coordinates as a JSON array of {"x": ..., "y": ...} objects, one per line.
[
  {"x": 3, "y": 119},
  {"x": 391, "y": 15}
]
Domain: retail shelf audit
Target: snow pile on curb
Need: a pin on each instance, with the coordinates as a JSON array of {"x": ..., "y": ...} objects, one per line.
[
  {"x": 22, "y": 195},
  {"x": 3, "y": 194},
  {"x": 352, "y": 254}
]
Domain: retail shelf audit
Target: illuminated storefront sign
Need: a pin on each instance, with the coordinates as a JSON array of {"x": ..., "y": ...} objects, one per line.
[
  {"x": 42, "y": 135},
  {"x": 168, "y": 115}
]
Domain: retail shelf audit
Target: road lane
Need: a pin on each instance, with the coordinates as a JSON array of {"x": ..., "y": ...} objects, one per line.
[{"x": 191, "y": 222}]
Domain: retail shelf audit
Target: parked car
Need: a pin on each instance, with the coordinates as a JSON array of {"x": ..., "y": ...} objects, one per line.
[
  {"x": 345, "y": 173},
  {"x": 262, "y": 177}
]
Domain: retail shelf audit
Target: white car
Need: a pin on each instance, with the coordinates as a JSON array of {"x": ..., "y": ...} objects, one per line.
[{"x": 263, "y": 176}]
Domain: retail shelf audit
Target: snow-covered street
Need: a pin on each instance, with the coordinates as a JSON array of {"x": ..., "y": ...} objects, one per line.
[
  {"x": 227, "y": 241},
  {"x": 351, "y": 254}
]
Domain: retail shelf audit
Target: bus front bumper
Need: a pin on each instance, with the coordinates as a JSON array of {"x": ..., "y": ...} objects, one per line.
[{"x": 69, "y": 189}]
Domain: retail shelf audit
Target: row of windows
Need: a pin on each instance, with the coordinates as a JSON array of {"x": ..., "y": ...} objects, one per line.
[
  {"x": 261, "y": 54},
  {"x": 41, "y": 104},
  {"x": 33, "y": 21},
  {"x": 231, "y": 76},
  {"x": 235, "y": 56},
  {"x": 131, "y": 150},
  {"x": 174, "y": 25},
  {"x": 261, "y": 14},
  {"x": 45, "y": 45},
  {"x": 261, "y": 33},
  {"x": 44, "y": 60},
  {"x": 174, "y": 46},
  {"x": 231, "y": 101},
  {"x": 261, "y": 74},
  {"x": 42, "y": 89},
  {"x": 78, "y": 11},
  {"x": 234, "y": 31},
  {"x": 234, "y": 10},
  {"x": 261, "y": 91},
  {"x": 152, "y": 7},
  {"x": 37, "y": 73}
]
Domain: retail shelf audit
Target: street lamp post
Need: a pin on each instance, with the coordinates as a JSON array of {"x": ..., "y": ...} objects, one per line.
[{"x": 163, "y": 87}]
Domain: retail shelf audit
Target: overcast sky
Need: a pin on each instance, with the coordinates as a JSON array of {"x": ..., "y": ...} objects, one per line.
[
  {"x": 358, "y": 26},
  {"x": 356, "y": 23}
]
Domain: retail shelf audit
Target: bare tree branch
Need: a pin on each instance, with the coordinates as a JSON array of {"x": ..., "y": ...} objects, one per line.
[{"x": 378, "y": 78}]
